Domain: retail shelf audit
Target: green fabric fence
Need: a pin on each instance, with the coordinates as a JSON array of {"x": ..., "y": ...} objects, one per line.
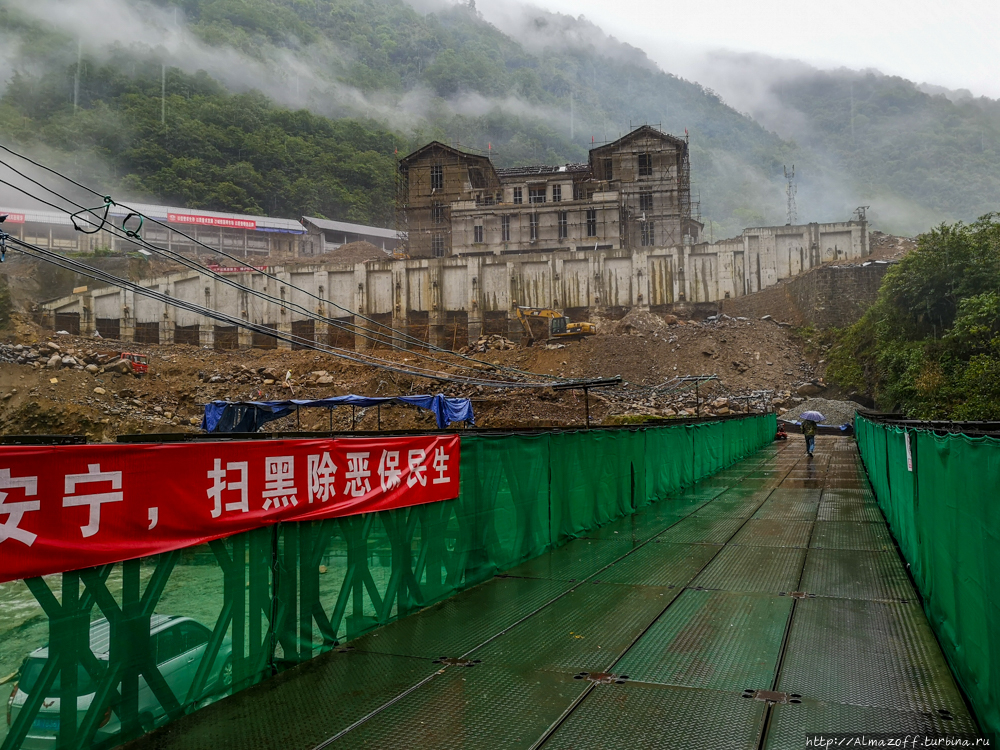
[
  {"x": 945, "y": 515},
  {"x": 280, "y": 595}
]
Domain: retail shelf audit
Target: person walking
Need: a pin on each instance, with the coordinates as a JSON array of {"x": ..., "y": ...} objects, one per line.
[{"x": 809, "y": 430}]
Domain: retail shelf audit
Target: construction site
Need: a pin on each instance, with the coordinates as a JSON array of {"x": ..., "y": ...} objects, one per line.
[{"x": 529, "y": 473}]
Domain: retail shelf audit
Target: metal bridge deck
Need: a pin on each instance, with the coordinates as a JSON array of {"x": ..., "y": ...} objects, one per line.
[{"x": 777, "y": 574}]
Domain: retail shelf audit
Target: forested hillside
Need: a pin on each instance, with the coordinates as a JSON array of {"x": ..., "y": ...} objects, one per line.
[{"x": 292, "y": 107}]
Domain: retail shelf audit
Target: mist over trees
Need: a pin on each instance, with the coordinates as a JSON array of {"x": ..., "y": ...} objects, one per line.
[
  {"x": 292, "y": 108},
  {"x": 930, "y": 346}
]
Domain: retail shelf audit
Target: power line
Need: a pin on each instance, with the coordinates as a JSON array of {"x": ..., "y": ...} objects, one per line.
[
  {"x": 133, "y": 236},
  {"x": 132, "y": 212},
  {"x": 99, "y": 275}
]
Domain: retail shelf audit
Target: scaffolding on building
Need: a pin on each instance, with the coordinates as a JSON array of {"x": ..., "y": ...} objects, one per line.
[{"x": 634, "y": 192}]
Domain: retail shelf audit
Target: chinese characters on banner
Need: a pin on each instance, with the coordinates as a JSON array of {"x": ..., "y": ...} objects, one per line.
[{"x": 69, "y": 507}]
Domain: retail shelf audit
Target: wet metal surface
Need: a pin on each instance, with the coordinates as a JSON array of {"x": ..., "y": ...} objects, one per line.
[{"x": 764, "y": 603}]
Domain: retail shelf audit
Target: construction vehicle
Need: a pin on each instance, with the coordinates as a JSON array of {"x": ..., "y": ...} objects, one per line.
[
  {"x": 140, "y": 362},
  {"x": 560, "y": 329}
]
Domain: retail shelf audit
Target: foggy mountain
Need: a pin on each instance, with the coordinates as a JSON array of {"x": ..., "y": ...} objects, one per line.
[{"x": 289, "y": 108}]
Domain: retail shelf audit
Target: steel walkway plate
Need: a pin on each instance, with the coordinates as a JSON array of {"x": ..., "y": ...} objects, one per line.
[
  {"x": 657, "y": 717},
  {"x": 299, "y": 708},
  {"x": 790, "y": 724},
  {"x": 770, "y": 533},
  {"x": 696, "y": 530},
  {"x": 712, "y": 639},
  {"x": 691, "y": 598},
  {"x": 466, "y": 708},
  {"x": 573, "y": 561},
  {"x": 458, "y": 624},
  {"x": 661, "y": 564},
  {"x": 856, "y": 574},
  {"x": 867, "y": 653},
  {"x": 781, "y": 509},
  {"x": 851, "y": 535},
  {"x": 587, "y": 630},
  {"x": 765, "y": 570}
]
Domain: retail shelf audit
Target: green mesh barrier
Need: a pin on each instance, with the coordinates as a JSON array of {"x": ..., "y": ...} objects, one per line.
[
  {"x": 103, "y": 655},
  {"x": 945, "y": 515}
]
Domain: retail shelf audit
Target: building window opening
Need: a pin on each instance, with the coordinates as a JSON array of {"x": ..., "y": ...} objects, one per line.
[
  {"x": 648, "y": 237},
  {"x": 437, "y": 245},
  {"x": 437, "y": 213},
  {"x": 563, "y": 225},
  {"x": 536, "y": 195},
  {"x": 518, "y": 196},
  {"x": 645, "y": 165},
  {"x": 645, "y": 200},
  {"x": 437, "y": 177},
  {"x": 505, "y": 228},
  {"x": 533, "y": 223},
  {"x": 592, "y": 222},
  {"x": 556, "y": 193},
  {"x": 476, "y": 177},
  {"x": 579, "y": 192},
  {"x": 477, "y": 234},
  {"x": 609, "y": 170}
]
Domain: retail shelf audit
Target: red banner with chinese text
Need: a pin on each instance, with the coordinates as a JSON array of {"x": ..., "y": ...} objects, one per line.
[{"x": 69, "y": 507}]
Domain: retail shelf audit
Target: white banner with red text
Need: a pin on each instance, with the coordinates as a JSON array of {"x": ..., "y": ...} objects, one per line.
[{"x": 70, "y": 507}]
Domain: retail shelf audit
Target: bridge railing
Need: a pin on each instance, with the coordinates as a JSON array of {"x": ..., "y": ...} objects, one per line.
[
  {"x": 99, "y": 656},
  {"x": 939, "y": 486}
]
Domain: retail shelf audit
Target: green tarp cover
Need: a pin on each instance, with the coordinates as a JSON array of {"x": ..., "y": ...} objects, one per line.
[
  {"x": 945, "y": 515},
  {"x": 278, "y": 596}
]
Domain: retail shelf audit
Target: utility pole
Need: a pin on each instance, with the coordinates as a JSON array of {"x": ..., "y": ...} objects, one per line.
[
  {"x": 76, "y": 78},
  {"x": 852, "y": 113},
  {"x": 571, "y": 124}
]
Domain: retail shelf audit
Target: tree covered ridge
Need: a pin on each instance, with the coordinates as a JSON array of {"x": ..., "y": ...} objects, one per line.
[
  {"x": 206, "y": 155},
  {"x": 892, "y": 137},
  {"x": 930, "y": 346},
  {"x": 469, "y": 82}
]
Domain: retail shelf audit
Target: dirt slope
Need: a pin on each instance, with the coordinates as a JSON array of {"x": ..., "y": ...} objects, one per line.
[{"x": 644, "y": 349}]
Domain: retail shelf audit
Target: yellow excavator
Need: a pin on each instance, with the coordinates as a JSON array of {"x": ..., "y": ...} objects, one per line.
[{"x": 560, "y": 329}]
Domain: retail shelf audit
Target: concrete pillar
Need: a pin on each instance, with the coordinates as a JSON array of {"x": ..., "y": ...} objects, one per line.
[
  {"x": 640, "y": 279},
  {"x": 320, "y": 307},
  {"x": 473, "y": 280},
  {"x": 126, "y": 325},
  {"x": 284, "y": 313},
  {"x": 87, "y": 322},
  {"x": 400, "y": 301},
  {"x": 436, "y": 319},
  {"x": 360, "y": 291},
  {"x": 726, "y": 273},
  {"x": 244, "y": 337}
]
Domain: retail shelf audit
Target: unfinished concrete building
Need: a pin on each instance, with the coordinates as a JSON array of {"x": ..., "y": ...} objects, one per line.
[{"x": 633, "y": 193}]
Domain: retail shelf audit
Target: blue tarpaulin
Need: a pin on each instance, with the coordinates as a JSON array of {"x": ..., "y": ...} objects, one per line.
[{"x": 250, "y": 416}]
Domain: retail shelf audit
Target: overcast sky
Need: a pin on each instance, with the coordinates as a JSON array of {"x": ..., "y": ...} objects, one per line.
[{"x": 954, "y": 44}]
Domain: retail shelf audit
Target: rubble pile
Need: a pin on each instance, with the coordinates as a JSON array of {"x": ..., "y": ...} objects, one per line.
[
  {"x": 493, "y": 343},
  {"x": 836, "y": 412},
  {"x": 52, "y": 383},
  {"x": 53, "y": 356},
  {"x": 640, "y": 323}
]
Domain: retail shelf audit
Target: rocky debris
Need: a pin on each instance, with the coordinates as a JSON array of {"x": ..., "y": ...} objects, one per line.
[
  {"x": 647, "y": 350},
  {"x": 351, "y": 253},
  {"x": 492, "y": 343},
  {"x": 639, "y": 323},
  {"x": 836, "y": 412},
  {"x": 889, "y": 247},
  {"x": 812, "y": 388}
]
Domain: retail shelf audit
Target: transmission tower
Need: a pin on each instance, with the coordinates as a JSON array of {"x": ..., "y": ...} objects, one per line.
[{"x": 790, "y": 191}]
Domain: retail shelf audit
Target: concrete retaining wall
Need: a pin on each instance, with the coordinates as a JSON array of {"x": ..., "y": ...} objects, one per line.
[{"x": 444, "y": 295}]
